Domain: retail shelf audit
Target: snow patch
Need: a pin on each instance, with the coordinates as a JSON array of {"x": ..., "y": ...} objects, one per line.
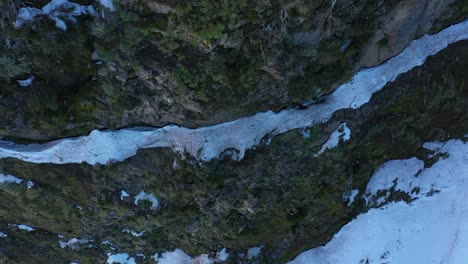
[
  {"x": 123, "y": 194},
  {"x": 57, "y": 10},
  {"x": 26, "y": 82},
  {"x": 73, "y": 243},
  {"x": 120, "y": 258},
  {"x": 149, "y": 197},
  {"x": 350, "y": 196},
  {"x": 3, "y": 234},
  {"x": 399, "y": 174},
  {"x": 107, "y": 4},
  {"x": 341, "y": 133},
  {"x": 432, "y": 229},
  {"x": 254, "y": 252},
  {"x": 133, "y": 233},
  {"x": 7, "y": 178},
  {"x": 178, "y": 256},
  {"x": 207, "y": 143},
  {"x": 23, "y": 227},
  {"x": 222, "y": 255}
]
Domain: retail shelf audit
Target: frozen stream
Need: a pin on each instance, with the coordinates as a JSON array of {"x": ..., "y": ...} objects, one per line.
[{"x": 206, "y": 143}]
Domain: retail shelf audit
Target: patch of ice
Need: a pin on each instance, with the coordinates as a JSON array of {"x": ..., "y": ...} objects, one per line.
[
  {"x": 254, "y": 252},
  {"x": 107, "y": 4},
  {"x": 57, "y": 10},
  {"x": 207, "y": 143},
  {"x": 341, "y": 133},
  {"x": 432, "y": 229},
  {"x": 133, "y": 233},
  {"x": 27, "y": 82},
  {"x": 120, "y": 258},
  {"x": 3, "y": 234},
  {"x": 123, "y": 194},
  {"x": 149, "y": 197}
]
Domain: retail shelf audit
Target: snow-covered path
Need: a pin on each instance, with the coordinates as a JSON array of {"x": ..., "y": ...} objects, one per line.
[
  {"x": 432, "y": 229},
  {"x": 206, "y": 143}
]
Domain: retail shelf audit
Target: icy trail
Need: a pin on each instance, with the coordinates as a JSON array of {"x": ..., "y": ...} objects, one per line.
[
  {"x": 432, "y": 229},
  {"x": 206, "y": 143}
]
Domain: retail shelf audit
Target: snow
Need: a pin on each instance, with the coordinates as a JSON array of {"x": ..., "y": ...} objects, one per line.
[
  {"x": 121, "y": 258},
  {"x": 123, "y": 194},
  {"x": 149, "y": 197},
  {"x": 207, "y": 143},
  {"x": 26, "y": 82},
  {"x": 350, "y": 196},
  {"x": 23, "y": 227},
  {"x": 30, "y": 184},
  {"x": 254, "y": 252},
  {"x": 341, "y": 133},
  {"x": 107, "y": 4},
  {"x": 7, "y": 178},
  {"x": 3, "y": 234},
  {"x": 222, "y": 255},
  {"x": 73, "y": 243},
  {"x": 133, "y": 233},
  {"x": 431, "y": 229},
  {"x": 178, "y": 256},
  {"x": 57, "y": 10},
  {"x": 398, "y": 173}
]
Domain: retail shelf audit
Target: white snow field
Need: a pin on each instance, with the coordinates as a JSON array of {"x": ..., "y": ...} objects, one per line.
[
  {"x": 206, "y": 143},
  {"x": 431, "y": 229}
]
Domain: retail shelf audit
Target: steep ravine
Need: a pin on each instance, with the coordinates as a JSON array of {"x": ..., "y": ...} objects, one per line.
[
  {"x": 207, "y": 143},
  {"x": 233, "y": 184},
  {"x": 234, "y": 204}
]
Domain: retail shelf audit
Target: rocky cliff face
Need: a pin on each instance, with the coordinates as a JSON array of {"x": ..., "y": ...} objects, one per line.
[
  {"x": 198, "y": 63},
  {"x": 192, "y": 63}
]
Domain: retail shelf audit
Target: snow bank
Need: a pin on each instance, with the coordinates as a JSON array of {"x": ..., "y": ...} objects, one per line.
[
  {"x": 57, "y": 10},
  {"x": 207, "y": 143},
  {"x": 432, "y": 229}
]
